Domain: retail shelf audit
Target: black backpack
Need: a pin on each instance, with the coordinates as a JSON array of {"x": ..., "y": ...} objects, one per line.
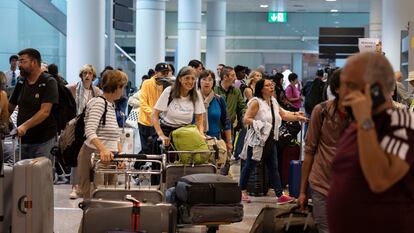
[
  {"x": 66, "y": 109},
  {"x": 314, "y": 96},
  {"x": 62, "y": 112}
]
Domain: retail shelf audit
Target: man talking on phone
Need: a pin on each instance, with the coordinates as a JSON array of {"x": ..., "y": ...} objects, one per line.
[{"x": 372, "y": 187}]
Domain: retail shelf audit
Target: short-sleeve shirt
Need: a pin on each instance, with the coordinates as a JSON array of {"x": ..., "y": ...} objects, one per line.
[
  {"x": 180, "y": 111},
  {"x": 29, "y": 99},
  {"x": 293, "y": 92},
  {"x": 352, "y": 206}
]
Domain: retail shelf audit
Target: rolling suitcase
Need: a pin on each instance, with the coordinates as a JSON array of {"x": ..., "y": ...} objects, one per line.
[
  {"x": 284, "y": 220},
  {"x": 128, "y": 215},
  {"x": 258, "y": 183},
  {"x": 295, "y": 174},
  {"x": 142, "y": 195},
  {"x": 208, "y": 189},
  {"x": 6, "y": 189},
  {"x": 33, "y": 196}
]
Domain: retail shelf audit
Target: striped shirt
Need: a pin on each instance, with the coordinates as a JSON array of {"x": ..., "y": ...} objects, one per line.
[{"x": 108, "y": 134}]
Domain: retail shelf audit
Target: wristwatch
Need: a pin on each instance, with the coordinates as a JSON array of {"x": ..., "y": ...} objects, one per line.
[{"x": 367, "y": 124}]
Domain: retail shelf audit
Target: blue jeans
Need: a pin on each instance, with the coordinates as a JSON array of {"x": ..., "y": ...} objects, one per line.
[
  {"x": 269, "y": 157},
  {"x": 30, "y": 151}
]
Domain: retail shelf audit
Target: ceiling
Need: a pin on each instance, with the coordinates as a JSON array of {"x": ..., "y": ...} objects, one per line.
[{"x": 288, "y": 5}]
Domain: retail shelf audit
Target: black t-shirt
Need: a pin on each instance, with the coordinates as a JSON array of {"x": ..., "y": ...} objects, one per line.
[{"x": 29, "y": 99}]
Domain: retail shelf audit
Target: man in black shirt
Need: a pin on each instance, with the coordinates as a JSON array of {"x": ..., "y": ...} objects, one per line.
[{"x": 35, "y": 94}]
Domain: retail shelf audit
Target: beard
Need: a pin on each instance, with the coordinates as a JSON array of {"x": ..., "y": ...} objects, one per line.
[{"x": 24, "y": 73}]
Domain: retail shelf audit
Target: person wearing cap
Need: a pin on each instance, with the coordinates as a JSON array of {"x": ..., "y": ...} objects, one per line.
[{"x": 150, "y": 92}]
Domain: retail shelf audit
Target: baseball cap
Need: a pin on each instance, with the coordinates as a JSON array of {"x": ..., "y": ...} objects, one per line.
[{"x": 162, "y": 66}]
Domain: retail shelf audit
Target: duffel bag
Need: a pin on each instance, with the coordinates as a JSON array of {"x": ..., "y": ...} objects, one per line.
[
  {"x": 208, "y": 189},
  {"x": 189, "y": 138}
]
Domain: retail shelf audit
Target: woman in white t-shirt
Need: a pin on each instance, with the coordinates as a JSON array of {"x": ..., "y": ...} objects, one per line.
[{"x": 178, "y": 105}]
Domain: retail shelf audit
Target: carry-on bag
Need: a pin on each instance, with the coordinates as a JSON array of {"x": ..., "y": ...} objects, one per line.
[
  {"x": 189, "y": 138},
  {"x": 129, "y": 215},
  {"x": 33, "y": 196},
  {"x": 284, "y": 220},
  {"x": 6, "y": 189},
  {"x": 258, "y": 183},
  {"x": 208, "y": 189},
  {"x": 294, "y": 178}
]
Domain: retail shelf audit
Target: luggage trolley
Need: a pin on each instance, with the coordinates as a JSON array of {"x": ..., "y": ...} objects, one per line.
[
  {"x": 175, "y": 170},
  {"x": 143, "y": 193}
]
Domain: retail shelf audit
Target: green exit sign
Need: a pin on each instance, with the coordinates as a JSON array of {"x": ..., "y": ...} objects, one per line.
[{"x": 277, "y": 17}]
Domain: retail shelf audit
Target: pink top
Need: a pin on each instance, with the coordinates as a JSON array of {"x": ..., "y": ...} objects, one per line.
[{"x": 293, "y": 92}]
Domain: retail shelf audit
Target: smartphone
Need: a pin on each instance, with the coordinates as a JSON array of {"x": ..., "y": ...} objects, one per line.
[{"x": 377, "y": 97}]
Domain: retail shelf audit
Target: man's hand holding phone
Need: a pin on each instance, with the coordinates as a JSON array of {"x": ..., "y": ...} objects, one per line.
[{"x": 360, "y": 103}]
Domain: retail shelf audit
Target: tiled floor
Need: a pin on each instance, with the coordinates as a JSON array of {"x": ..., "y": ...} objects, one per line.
[{"x": 68, "y": 215}]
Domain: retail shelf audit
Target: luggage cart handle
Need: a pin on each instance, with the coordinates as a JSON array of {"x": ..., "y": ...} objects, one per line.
[
  {"x": 137, "y": 156},
  {"x": 132, "y": 156}
]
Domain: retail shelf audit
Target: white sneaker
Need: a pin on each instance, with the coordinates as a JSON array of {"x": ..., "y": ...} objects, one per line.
[{"x": 73, "y": 195}]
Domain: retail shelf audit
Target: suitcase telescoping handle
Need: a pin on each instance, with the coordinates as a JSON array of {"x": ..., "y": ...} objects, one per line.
[{"x": 307, "y": 213}]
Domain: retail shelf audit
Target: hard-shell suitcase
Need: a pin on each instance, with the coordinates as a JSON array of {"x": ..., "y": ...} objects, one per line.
[
  {"x": 6, "y": 188},
  {"x": 204, "y": 214},
  {"x": 106, "y": 215},
  {"x": 284, "y": 220},
  {"x": 289, "y": 153},
  {"x": 208, "y": 189},
  {"x": 294, "y": 178},
  {"x": 33, "y": 196},
  {"x": 258, "y": 183},
  {"x": 142, "y": 195}
]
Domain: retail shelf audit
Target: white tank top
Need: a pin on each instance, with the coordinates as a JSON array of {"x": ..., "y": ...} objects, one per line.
[{"x": 265, "y": 113}]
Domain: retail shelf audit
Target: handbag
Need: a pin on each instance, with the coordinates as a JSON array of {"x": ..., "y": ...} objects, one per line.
[
  {"x": 220, "y": 156},
  {"x": 132, "y": 120}
]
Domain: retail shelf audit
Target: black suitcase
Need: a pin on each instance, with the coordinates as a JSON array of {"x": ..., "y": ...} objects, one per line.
[
  {"x": 208, "y": 189},
  {"x": 258, "y": 183},
  {"x": 204, "y": 214}
]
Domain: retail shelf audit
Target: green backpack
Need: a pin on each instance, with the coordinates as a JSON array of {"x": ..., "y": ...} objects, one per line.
[{"x": 188, "y": 138}]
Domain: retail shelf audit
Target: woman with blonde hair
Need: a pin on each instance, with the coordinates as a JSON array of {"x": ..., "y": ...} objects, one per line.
[
  {"x": 253, "y": 78},
  {"x": 3, "y": 81}
]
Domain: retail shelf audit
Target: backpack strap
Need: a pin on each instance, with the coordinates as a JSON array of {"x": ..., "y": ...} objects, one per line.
[
  {"x": 103, "y": 118},
  {"x": 170, "y": 99}
]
